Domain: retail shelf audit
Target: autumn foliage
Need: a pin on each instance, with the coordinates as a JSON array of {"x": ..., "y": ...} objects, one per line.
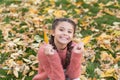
[{"x": 22, "y": 31}]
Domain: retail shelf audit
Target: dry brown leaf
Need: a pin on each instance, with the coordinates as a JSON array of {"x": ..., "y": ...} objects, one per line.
[
  {"x": 31, "y": 73},
  {"x": 9, "y": 72},
  {"x": 110, "y": 3},
  {"x": 15, "y": 72},
  {"x": 90, "y": 1},
  {"x": 13, "y": 8},
  {"x": 26, "y": 69},
  {"x": 101, "y": 5},
  {"x": 83, "y": 77},
  {"x": 117, "y": 58},
  {"x": 59, "y": 13},
  {"x": 20, "y": 62},
  {"x": 78, "y": 3},
  {"x": 99, "y": 71},
  {"x": 33, "y": 11},
  {"x": 27, "y": 61},
  {"x": 109, "y": 12}
]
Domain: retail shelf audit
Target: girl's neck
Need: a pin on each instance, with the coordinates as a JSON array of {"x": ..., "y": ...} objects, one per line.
[{"x": 60, "y": 46}]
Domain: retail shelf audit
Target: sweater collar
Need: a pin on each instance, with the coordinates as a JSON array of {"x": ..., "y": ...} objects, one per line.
[{"x": 62, "y": 50}]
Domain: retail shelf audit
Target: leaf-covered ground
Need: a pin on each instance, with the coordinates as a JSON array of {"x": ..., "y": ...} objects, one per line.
[{"x": 21, "y": 33}]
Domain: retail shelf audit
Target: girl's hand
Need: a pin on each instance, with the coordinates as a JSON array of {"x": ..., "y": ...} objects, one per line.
[
  {"x": 48, "y": 50},
  {"x": 79, "y": 48}
]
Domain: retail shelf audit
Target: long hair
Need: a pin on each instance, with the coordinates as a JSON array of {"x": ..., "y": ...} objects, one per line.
[{"x": 69, "y": 45}]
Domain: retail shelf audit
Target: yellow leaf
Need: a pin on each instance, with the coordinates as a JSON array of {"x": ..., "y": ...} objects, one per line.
[
  {"x": 108, "y": 73},
  {"x": 83, "y": 77},
  {"x": 110, "y": 3},
  {"x": 59, "y": 13},
  {"x": 1, "y": 10},
  {"x": 108, "y": 11},
  {"x": 93, "y": 58},
  {"x": 9, "y": 72},
  {"x": 78, "y": 3},
  {"x": 45, "y": 37},
  {"x": 117, "y": 4},
  {"x": 84, "y": 23},
  {"x": 103, "y": 46},
  {"x": 116, "y": 33},
  {"x": 41, "y": 18},
  {"x": 117, "y": 59},
  {"x": 86, "y": 39},
  {"x": 101, "y": 5},
  {"x": 78, "y": 11},
  {"x": 34, "y": 11},
  {"x": 111, "y": 57},
  {"x": 47, "y": 9},
  {"x": 52, "y": 2}
]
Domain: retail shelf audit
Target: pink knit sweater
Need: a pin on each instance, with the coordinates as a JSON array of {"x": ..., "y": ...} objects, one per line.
[{"x": 50, "y": 66}]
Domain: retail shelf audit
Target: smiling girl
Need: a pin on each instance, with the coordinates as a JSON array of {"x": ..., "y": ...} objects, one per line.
[{"x": 61, "y": 58}]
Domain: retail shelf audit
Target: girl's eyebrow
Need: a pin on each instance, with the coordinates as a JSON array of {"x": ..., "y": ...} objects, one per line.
[{"x": 63, "y": 28}]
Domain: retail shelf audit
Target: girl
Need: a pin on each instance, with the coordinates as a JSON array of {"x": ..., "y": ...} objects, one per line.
[{"x": 61, "y": 58}]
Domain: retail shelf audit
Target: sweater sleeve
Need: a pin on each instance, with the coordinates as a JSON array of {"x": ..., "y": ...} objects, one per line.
[
  {"x": 74, "y": 68},
  {"x": 51, "y": 64},
  {"x": 42, "y": 76}
]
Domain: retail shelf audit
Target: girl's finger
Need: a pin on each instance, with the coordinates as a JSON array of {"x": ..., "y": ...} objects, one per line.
[
  {"x": 78, "y": 48},
  {"x": 81, "y": 44}
]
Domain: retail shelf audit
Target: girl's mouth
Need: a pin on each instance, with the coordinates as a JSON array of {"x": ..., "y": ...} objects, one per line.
[{"x": 64, "y": 38}]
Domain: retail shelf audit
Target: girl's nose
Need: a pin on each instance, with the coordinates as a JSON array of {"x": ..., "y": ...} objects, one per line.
[{"x": 65, "y": 33}]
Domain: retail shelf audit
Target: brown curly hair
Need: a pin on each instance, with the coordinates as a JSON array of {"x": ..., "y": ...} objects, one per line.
[{"x": 69, "y": 45}]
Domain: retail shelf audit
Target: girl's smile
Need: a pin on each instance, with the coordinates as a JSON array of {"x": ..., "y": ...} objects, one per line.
[{"x": 64, "y": 38}]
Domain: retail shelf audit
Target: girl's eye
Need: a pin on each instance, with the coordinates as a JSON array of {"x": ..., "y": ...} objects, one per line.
[
  {"x": 69, "y": 31},
  {"x": 61, "y": 29}
]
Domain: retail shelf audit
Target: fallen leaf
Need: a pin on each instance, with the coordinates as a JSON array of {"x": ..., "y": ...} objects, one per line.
[
  {"x": 45, "y": 37},
  {"x": 108, "y": 11},
  {"x": 59, "y": 13},
  {"x": 31, "y": 73},
  {"x": 15, "y": 72},
  {"x": 86, "y": 39},
  {"x": 33, "y": 10}
]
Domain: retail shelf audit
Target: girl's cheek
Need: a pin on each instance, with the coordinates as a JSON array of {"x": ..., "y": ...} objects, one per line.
[{"x": 72, "y": 36}]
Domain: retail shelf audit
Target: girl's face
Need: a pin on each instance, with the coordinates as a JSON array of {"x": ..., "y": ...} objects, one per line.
[{"x": 63, "y": 33}]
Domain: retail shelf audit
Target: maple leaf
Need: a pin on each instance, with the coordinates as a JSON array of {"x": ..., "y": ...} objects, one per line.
[{"x": 45, "y": 37}]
